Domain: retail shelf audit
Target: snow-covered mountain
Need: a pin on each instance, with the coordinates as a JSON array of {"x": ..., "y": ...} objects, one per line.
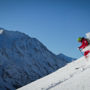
[
  {"x": 66, "y": 58},
  {"x": 74, "y": 76},
  {"x": 24, "y": 59}
]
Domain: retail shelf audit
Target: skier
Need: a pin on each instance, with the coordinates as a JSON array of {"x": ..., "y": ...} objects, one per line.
[{"x": 84, "y": 45}]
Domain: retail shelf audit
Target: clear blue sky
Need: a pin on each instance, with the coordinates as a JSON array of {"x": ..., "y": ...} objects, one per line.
[{"x": 56, "y": 23}]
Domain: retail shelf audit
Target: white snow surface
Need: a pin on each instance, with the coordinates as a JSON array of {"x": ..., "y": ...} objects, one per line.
[{"x": 74, "y": 76}]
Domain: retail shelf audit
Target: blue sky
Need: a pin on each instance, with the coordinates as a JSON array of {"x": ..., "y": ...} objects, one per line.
[{"x": 56, "y": 23}]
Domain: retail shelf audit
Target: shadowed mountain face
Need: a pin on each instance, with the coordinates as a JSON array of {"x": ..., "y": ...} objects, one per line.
[
  {"x": 24, "y": 59},
  {"x": 65, "y": 58}
]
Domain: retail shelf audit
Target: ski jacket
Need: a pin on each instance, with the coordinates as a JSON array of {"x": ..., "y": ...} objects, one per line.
[{"x": 84, "y": 43}]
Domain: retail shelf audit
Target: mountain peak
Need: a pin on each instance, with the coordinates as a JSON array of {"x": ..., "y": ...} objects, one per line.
[
  {"x": 24, "y": 59},
  {"x": 1, "y": 31}
]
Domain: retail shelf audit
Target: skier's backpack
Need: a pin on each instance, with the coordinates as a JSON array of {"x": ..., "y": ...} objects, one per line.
[
  {"x": 88, "y": 37},
  {"x": 88, "y": 41}
]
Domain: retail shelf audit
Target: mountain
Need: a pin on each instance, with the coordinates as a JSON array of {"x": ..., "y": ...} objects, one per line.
[
  {"x": 66, "y": 58},
  {"x": 24, "y": 59},
  {"x": 73, "y": 76}
]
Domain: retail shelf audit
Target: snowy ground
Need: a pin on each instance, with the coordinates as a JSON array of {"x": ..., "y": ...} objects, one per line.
[{"x": 74, "y": 76}]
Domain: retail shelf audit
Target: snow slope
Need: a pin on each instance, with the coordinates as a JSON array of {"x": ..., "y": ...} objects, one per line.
[
  {"x": 74, "y": 76},
  {"x": 24, "y": 59}
]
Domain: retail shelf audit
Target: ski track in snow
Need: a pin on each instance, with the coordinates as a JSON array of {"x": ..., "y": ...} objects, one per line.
[
  {"x": 80, "y": 69},
  {"x": 55, "y": 84}
]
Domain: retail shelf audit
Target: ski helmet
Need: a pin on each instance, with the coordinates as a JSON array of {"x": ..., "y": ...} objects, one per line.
[{"x": 79, "y": 39}]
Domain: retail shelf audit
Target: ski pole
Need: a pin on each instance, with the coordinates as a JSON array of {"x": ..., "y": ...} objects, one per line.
[{"x": 80, "y": 51}]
